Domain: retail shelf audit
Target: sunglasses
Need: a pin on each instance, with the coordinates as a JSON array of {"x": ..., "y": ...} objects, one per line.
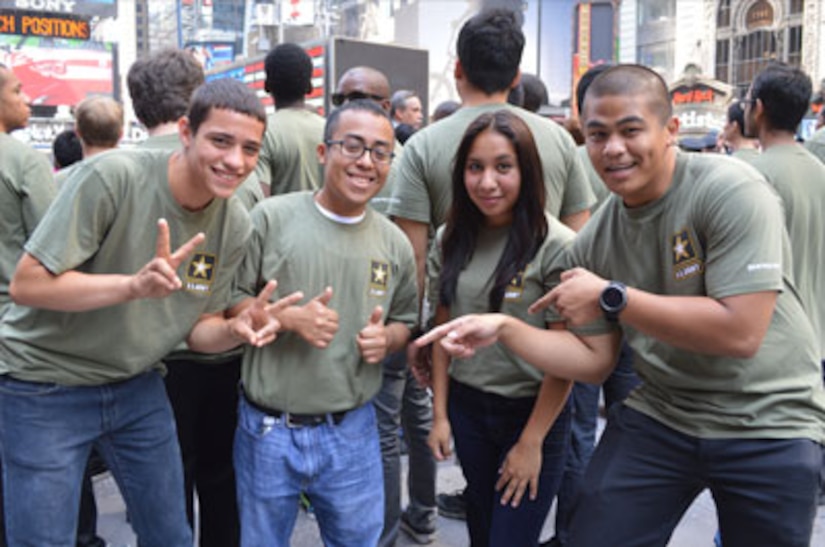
[{"x": 340, "y": 98}]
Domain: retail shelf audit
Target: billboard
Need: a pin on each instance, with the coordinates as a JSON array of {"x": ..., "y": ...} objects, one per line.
[
  {"x": 99, "y": 8},
  {"x": 34, "y": 23},
  {"x": 212, "y": 54},
  {"x": 58, "y": 72}
]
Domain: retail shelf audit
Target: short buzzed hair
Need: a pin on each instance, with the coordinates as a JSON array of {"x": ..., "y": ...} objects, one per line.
[
  {"x": 631, "y": 79},
  {"x": 288, "y": 70}
]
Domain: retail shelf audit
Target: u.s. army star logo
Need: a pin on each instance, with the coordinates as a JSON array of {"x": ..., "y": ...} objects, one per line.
[
  {"x": 686, "y": 262},
  {"x": 515, "y": 289},
  {"x": 199, "y": 273},
  {"x": 379, "y": 277}
]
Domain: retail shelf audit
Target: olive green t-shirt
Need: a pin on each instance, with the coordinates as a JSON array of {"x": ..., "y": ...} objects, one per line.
[
  {"x": 26, "y": 191},
  {"x": 496, "y": 369},
  {"x": 249, "y": 192},
  {"x": 423, "y": 184},
  {"x": 746, "y": 154},
  {"x": 799, "y": 179},
  {"x": 718, "y": 231},
  {"x": 381, "y": 201},
  {"x": 367, "y": 264},
  {"x": 289, "y": 156},
  {"x": 105, "y": 222},
  {"x": 597, "y": 185},
  {"x": 816, "y": 144}
]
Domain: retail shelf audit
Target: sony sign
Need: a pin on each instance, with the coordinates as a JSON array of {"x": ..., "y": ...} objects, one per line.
[{"x": 100, "y": 8}]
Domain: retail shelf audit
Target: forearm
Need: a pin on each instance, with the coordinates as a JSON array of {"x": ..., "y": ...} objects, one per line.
[
  {"x": 580, "y": 358},
  {"x": 71, "y": 291},
  {"x": 398, "y": 334},
  {"x": 212, "y": 334},
  {"x": 440, "y": 377},
  {"x": 549, "y": 404},
  {"x": 417, "y": 233},
  {"x": 733, "y": 326}
]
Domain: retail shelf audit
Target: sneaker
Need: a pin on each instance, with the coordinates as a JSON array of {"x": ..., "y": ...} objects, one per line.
[
  {"x": 420, "y": 537},
  {"x": 452, "y": 506}
]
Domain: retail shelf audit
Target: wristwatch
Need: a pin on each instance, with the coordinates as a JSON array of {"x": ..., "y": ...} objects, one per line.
[{"x": 613, "y": 300}]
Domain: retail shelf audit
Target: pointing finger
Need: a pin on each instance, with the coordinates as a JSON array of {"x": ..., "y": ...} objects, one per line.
[{"x": 266, "y": 293}]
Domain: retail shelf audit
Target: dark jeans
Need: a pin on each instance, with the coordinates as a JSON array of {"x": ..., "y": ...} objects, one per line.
[
  {"x": 485, "y": 427},
  {"x": 403, "y": 403},
  {"x": 644, "y": 476},
  {"x": 204, "y": 397},
  {"x": 585, "y": 399}
]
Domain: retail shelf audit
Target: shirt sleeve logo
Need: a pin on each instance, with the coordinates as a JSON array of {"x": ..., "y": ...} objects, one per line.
[
  {"x": 200, "y": 272},
  {"x": 379, "y": 277},
  {"x": 686, "y": 262}
]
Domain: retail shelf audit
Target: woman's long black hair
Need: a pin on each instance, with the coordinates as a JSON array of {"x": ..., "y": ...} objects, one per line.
[{"x": 528, "y": 229}]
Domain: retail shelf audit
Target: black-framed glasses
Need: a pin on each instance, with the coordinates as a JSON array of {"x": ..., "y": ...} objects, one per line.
[
  {"x": 353, "y": 148},
  {"x": 340, "y": 98}
]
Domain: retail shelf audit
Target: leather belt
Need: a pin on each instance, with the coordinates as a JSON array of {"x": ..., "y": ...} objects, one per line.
[{"x": 293, "y": 420}]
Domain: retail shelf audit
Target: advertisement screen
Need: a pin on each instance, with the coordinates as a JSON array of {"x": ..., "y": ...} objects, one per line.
[
  {"x": 58, "y": 72},
  {"x": 212, "y": 54}
]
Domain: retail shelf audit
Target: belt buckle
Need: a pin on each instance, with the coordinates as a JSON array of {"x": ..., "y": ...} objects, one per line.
[{"x": 287, "y": 416}]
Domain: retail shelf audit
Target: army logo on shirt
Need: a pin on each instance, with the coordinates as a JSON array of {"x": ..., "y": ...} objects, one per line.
[
  {"x": 515, "y": 289},
  {"x": 199, "y": 273},
  {"x": 379, "y": 277},
  {"x": 686, "y": 263}
]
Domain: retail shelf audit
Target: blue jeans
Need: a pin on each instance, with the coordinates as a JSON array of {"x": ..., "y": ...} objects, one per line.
[
  {"x": 485, "y": 427},
  {"x": 403, "y": 402},
  {"x": 49, "y": 430},
  {"x": 585, "y": 399},
  {"x": 644, "y": 476},
  {"x": 338, "y": 466}
]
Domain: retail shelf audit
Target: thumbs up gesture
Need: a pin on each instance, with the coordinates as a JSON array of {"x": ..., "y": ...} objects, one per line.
[{"x": 373, "y": 340}]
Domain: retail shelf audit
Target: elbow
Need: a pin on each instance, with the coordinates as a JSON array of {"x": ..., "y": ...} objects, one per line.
[
  {"x": 19, "y": 294},
  {"x": 745, "y": 347}
]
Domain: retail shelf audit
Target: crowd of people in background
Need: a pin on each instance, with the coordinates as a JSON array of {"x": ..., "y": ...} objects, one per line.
[{"x": 241, "y": 314}]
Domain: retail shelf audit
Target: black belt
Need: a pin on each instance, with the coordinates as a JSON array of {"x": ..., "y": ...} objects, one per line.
[{"x": 298, "y": 420}]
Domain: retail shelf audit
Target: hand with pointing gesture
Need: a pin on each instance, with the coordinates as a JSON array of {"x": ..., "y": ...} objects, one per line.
[
  {"x": 159, "y": 277},
  {"x": 257, "y": 324},
  {"x": 373, "y": 340}
]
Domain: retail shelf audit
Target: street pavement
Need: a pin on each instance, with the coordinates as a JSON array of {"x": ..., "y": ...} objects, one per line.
[{"x": 695, "y": 530}]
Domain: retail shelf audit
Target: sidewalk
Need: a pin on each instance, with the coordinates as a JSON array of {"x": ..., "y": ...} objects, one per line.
[{"x": 695, "y": 530}]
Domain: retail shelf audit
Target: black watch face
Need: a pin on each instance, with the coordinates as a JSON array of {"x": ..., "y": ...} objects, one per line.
[{"x": 612, "y": 297}]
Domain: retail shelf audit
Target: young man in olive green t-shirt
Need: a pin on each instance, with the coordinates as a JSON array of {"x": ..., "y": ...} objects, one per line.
[
  {"x": 731, "y": 397},
  {"x": 306, "y": 420},
  {"x": 99, "y": 300}
]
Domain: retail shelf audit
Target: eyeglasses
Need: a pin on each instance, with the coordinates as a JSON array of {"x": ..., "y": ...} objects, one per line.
[
  {"x": 340, "y": 98},
  {"x": 353, "y": 148}
]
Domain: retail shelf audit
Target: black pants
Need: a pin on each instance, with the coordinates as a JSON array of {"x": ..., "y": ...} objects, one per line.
[{"x": 204, "y": 397}]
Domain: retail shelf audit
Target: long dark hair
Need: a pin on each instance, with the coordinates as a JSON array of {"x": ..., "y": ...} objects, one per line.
[{"x": 464, "y": 220}]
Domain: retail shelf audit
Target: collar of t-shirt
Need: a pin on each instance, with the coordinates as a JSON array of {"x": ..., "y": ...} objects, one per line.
[{"x": 339, "y": 218}]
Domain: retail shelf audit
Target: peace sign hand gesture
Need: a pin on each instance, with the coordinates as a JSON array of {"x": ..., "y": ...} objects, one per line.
[
  {"x": 257, "y": 324},
  {"x": 159, "y": 277}
]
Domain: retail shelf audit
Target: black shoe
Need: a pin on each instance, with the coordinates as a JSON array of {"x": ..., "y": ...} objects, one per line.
[
  {"x": 421, "y": 537},
  {"x": 552, "y": 542},
  {"x": 452, "y": 506}
]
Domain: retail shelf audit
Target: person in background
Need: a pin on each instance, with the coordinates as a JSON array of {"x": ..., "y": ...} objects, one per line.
[
  {"x": 405, "y": 108},
  {"x": 774, "y": 106},
  {"x": 816, "y": 144},
  {"x": 26, "y": 192},
  {"x": 444, "y": 109},
  {"x": 732, "y": 137},
  {"x": 99, "y": 127},
  {"x": 287, "y": 162},
  {"x": 499, "y": 251},
  {"x": 66, "y": 149}
]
